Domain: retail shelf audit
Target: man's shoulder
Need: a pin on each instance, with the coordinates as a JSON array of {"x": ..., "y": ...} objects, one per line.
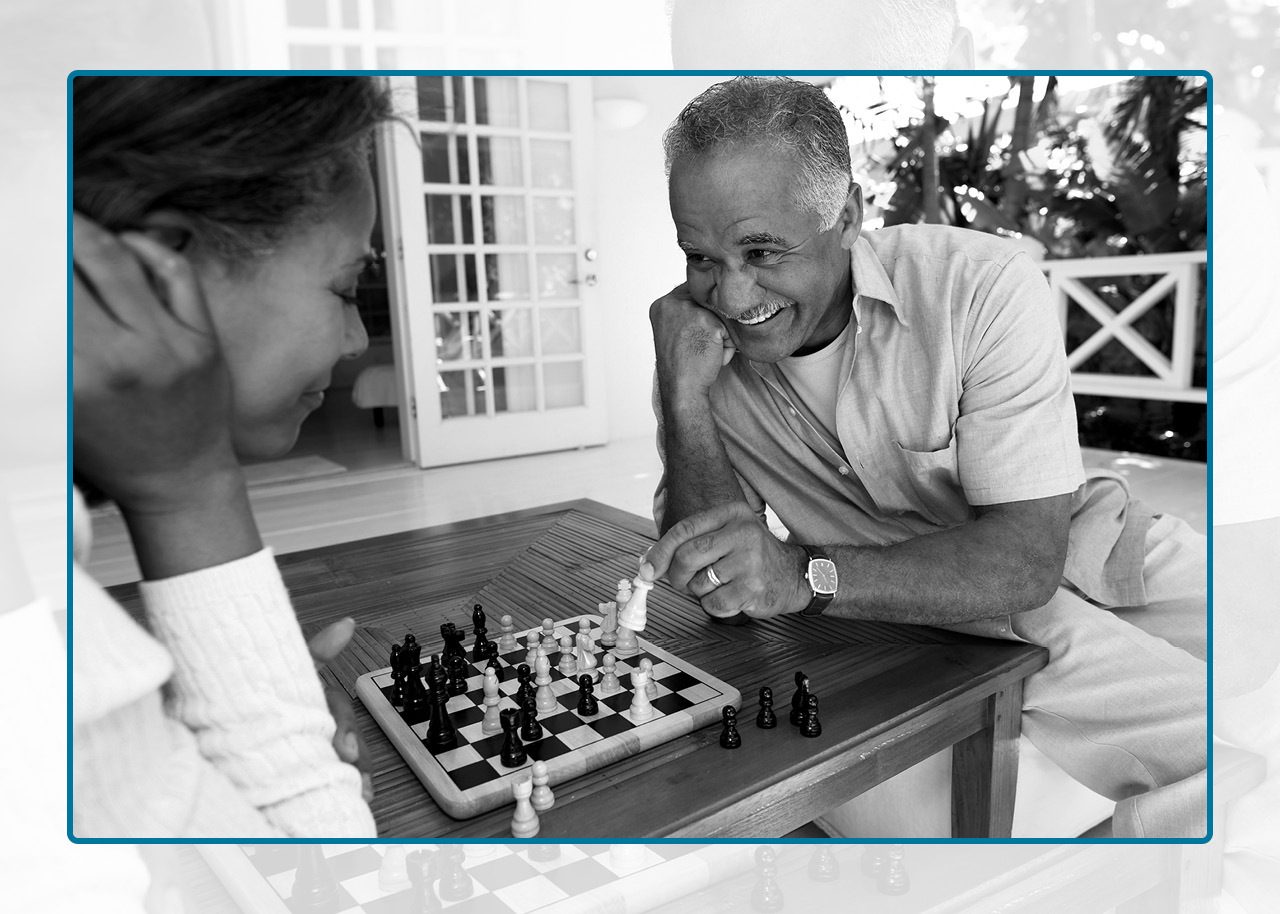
[{"x": 907, "y": 243}]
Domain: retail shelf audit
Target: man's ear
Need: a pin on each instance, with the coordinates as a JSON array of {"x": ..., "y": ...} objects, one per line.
[
  {"x": 961, "y": 56},
  {"x": 171, "y": 228},
  {"x": 851, "y": 217}
]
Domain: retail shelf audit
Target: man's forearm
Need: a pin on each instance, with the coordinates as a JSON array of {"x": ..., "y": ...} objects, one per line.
[{"x": 699, "y": 475}]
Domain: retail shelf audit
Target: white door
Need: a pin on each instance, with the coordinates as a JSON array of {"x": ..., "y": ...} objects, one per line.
[{"x": 504, "y": 342}]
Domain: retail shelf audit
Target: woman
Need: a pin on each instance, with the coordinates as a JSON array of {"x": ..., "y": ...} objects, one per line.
[{"x": 221, "y": 225}]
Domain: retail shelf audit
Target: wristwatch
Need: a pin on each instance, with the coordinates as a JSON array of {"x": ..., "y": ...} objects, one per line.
[{"x": 822, "y": 578}]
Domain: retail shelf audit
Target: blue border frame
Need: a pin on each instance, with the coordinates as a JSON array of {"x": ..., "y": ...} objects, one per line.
[{"x": 1208, "y": 414}]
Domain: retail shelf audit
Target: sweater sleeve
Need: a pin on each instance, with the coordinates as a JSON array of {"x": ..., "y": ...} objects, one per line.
[{"x": 245, "y": 686}]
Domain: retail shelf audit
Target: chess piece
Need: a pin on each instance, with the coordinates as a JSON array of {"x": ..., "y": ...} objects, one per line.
[
  {"x": 568, "y": 661},
  {"x": 797, "y": 700},
  {"x": 873, "y": 859},
  {"x": 548, "y": 631},
  {"x": 524, "y": 676},
  {"x": 545, "y": 698},
  {"x": 626, "y": 858},
  {"x": 542, "y": 798},
  {"x": 412, "y": 651},
  {"x": 534, "y": 641},
  {"x": 640, "y": 710},
  {"x": 893, "y": 877},
  {"x": 530, "y": 729},
  {"x": 766, "y": 719},
  {"x": 588, "y": 706},
  {"x": 544, "y": 853},
  {"x": 608, "y": 623},
  {"x": 513, "y": 754},
  {"x": 449, "y": 636},
  {"x": 507, "y": 641},
  {"x": 421, "y": 869},
  {"x": 457, "y": 669},
  {"x": 729, "y": 736},
  {"x": 627, "y": 644},
  {"x": 634, "y": 615},
  {"x": 524, "y": 823},
  {"x": 314, "y": 887},
  {"x": 455, "y": 883},
  {"x": 766, "y": 896},
  {"x": 495, "y": 664},
  {"x": 417, "y": 700},
  {"x": 652, "y": 689},
  {"x": 441, "y": 735},
  {"x": 479, "y": 623},
  {"x": 396, "y": 696},
  {"x": 492, "y": 723},
  {"x": 609, "y": 682},
  {"x": 823, "y": 865},
  {"x": 586, "y": 652},
  {"x": 809, "y": 725},
  {"x": 393, "y": 872}
]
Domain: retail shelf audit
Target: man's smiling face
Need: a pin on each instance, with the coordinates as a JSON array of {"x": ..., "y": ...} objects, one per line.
[{"x": 758, "y": 260}]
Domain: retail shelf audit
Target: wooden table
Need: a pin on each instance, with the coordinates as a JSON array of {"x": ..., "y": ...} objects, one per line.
[{"x": 892, "y": 695}]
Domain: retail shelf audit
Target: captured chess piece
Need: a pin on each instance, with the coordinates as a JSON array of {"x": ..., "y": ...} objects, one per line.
[
  {"x": 893, "y": 877},
  {"x": 524, "y": 822},
  {"x": 766, "y": 896},
  {"x": 588, "y": 704},
  {"x": 513, "y": 754},
  {"x": 766, "y": 719},
  {"x": 809, "y": 724},
  {"x": 823, "y": 865},
  {"x": 315, "y": 890},
  {"x": 729, "y": 736},
  {"x": 542, "y": 798},
  {"x": 797, "y": 700}
]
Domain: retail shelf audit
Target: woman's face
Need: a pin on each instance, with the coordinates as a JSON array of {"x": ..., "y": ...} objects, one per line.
[{"x": 285, "y": 321}]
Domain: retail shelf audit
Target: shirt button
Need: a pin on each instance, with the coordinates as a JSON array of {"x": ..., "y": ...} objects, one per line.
[
  {"x": 793, "y": 411},
  {"x": 844, "y": 471}
]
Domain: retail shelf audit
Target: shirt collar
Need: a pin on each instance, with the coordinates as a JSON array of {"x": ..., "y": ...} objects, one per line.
[{"x": 870, "y": 281}]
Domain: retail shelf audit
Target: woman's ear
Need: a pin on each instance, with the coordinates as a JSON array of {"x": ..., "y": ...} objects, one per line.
[{"x": 170, "y": 228}]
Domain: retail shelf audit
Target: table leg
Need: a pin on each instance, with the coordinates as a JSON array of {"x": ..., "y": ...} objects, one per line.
[{"x": 984, "y": 771}]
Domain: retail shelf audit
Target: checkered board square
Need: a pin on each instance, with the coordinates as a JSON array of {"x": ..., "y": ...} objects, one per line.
[
  {"x": 471, "y": 778},
  {"x": 504, "y": 878}
]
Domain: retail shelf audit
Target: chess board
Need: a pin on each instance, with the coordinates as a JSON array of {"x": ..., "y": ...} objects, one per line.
[
  {"x": 471, "y": 778},
  {"x": 582, "y": 878}
]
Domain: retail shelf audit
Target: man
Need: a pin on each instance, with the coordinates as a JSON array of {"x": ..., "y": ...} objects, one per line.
[{"x": 901, "y": 401}]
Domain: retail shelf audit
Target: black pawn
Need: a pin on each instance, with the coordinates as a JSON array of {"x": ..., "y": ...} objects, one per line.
[
  {"x": 315, "y": 889},
  {"x": 809, "y": 724},
  {"x": 478, "y": 618},
  {"x": 797, "y": 700},
  {"x": 766, "y": 719},
  {"x": 530, "y": 729},
  {"x": 457, "y": 677},
  {"x": 411, "y": 652},
  {"x": 441, "y": 735},
  {"x": 823, "y": 865},
  {"x": 524, "y": 676},
  {"x": 479, "y": 650},
  {"x": 767, "y": 894},
  {"x": 397, "y": 677},
  {"x": 455, "y": 883},
  {"x": 729, "y": 736},
  {"x": 417, "y": 700},
  {"x": 588, "y": 705},
  {"x": 513, "y": 754},
  {"x": 423, "y": 899}
]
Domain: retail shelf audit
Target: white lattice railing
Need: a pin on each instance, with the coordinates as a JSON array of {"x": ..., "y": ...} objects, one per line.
[{"x": 1171, "y": 375}]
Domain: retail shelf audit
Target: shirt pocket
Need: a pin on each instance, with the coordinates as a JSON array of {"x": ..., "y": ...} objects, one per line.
[{"x": 927, "y": 483}]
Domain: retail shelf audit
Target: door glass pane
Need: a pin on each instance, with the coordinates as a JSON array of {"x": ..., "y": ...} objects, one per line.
[
  {"x": 557, "y": 276},
  {"x": 507, "y": 276},
  {"x": 444, "y": 214},
  {"x": 463, "y": 393},
  {"x": 458, "y": 336},
  {"x": 503, "y": 219},
  {"x": 560, "y": 331},
  {"x": 513, "y": 389},
  {"x": 470, "y": 289},
  {"x": 550, "y": 162},
  {"x": 463, "y": 159},
  {"x": 553, "y": 220},
  {"x": 511, "y": 332},
  {"x": 548, "y": 105},
  {"x": 497, "y": 101},
  {"x": 350, "y": 17},
  {"x": 444, "y": 278},
  {"x": 307, "y": 14},
  {"x": 563, "y": 384},
  {"x": 499, "y": 160},
  {"x": 431, "y": 101},
  {"x": 351, "y": 57},
  {"x": 435, "y": 158},
  {"x": 309, "y": 57},
  {"x": 459, "y": 100},
  {"x": 418, "y": 57}
]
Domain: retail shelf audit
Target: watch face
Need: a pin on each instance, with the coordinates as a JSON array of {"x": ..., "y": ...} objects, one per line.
[{"x": 822, "y": 576}]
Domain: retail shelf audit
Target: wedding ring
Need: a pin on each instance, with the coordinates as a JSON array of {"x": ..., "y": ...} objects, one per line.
[{"x": 713, "y": 577}]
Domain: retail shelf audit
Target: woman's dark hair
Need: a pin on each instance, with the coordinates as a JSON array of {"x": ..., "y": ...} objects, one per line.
[{"x": 246, "y": 157}]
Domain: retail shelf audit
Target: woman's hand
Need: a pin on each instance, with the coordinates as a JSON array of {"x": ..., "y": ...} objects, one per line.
[{"x": 347, "y": 741}]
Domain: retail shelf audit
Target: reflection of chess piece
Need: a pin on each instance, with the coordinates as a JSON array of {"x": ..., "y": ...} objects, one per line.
[
  {"x": 393, "y": 874},
  {"x": 455, "y": 883},
  {"x": 873, "y": 861},
  {"x": 823, "y": 865},
  {"x": 893, "y": 878},
  {"x": 767, "y": 894},
  {"x": 421, "y": 869},
  {"x": 314, "y": 887}
]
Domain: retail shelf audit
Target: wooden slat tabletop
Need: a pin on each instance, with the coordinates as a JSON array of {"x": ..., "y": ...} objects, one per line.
[{"x": 891, "y": 695}]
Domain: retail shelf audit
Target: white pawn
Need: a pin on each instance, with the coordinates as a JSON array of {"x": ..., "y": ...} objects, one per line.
[
  {"x": 609, "y": 623},
  {"x": 646, "y": 667},
  {"x": 549, "y": 630},
  {"x": 542, "y": 797},
  {"x": 507, "y": 643},
  {"x": 586, "y": 650},
  {"x": 568, "y": 662},
  {"x": 609, "y": 682},
  {"x": 534, "y": 642},
  {"x": 393, "y": 874},
  {"x": 641, "y": 710},
  {"x": 544, "y": 698},
  {"x": 634, "y": 614},
  {"x": 524, "y": 824},
  {"x": 492, "y": 722}
]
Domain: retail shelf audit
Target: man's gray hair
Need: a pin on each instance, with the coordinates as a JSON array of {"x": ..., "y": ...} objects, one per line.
[{"x": 782, "y": 113}]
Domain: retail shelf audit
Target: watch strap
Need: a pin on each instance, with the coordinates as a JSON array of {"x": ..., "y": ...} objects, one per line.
[{"x": 819, "y": 601}]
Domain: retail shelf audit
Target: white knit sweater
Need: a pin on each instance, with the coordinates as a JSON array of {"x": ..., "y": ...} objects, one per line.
[{"x": 214, "y": 724}]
